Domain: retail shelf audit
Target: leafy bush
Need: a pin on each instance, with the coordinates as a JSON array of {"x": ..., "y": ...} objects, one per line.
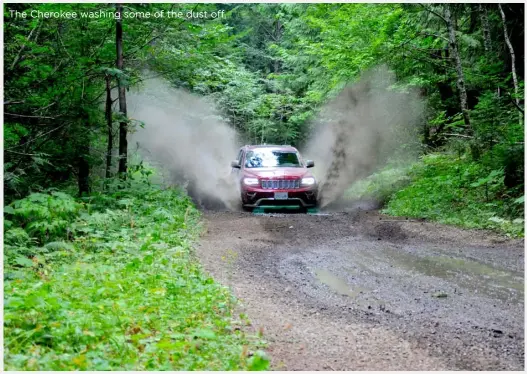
[
  {"x": 458, "y": 191},
  {"x": 44, "y": 216},
  {"x": 123, "y": 292}
]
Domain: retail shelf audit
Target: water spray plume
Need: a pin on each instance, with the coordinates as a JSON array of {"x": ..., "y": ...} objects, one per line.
[
  {"x": 355, "y": 134},
  {"x": 359, "y": 130},
  {"x": 187, "y": 138}
]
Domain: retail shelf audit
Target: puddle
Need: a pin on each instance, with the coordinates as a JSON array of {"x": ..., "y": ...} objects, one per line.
[
  {"x": 361, "y": 296},
  {"x": 475, "y": 276},
  {"x": 337, "y": 284}
]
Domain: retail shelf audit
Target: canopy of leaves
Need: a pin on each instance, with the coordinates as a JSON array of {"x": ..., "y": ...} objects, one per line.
[{"x": 269, "y": 67}]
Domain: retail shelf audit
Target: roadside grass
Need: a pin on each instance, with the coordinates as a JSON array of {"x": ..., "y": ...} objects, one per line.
[
  {"x": 447, "y": 189},
  {"x": 111, "y": 283}
]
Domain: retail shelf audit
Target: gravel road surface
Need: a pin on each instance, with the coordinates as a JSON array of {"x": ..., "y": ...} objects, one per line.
[{"x": 356, "y": 290}]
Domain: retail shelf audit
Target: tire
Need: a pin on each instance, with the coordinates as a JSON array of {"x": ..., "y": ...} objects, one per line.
[{"x": 247, "y": 208}]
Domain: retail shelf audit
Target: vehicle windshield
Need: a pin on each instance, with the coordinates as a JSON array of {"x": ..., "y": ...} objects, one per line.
[{"x": 269, "y": 158}]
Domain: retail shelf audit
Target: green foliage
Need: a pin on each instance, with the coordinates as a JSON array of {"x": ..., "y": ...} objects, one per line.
[
  {"x": 108, "y": 281},
  {"x": 462, "y": 192},
  {"x": 44, "y": 216},
  {"x": 122, "y": 292},
  {"x": 269, "y": 68},
  {"x": 56, "y": 72}
]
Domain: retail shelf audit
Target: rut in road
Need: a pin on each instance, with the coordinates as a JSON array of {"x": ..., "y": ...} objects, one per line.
[{"x": 360, "y": 291}]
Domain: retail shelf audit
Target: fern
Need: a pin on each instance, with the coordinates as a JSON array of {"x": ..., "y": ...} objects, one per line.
[
  {"x": 16, "y": 236},
  {"x": 45, "y": 216}
]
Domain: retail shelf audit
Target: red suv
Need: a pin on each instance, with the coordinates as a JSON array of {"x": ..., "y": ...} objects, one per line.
[{"x": 274, "y": 175}]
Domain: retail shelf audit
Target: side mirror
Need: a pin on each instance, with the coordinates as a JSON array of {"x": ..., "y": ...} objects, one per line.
[
  {"x": 235, "y": 164},
  {"x": 310, "y": 163}
]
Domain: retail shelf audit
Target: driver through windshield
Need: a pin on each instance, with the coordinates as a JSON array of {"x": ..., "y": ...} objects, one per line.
[{"x": 267, "y": 158}]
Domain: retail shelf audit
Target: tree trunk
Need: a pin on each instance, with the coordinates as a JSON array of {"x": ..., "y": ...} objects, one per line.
[
  {"x": 513, "y": 60},
  {"x": 84, "y": 170},
  {"x": 486, "y": 27},
  {"x": 83, "y": 153},
  {"x": 452, "y": 41},
  {"x": 83, "y": 150},
  {"x": 277, "y": 39},
  {"x": 123, "y": 125},
  {"x": 109, "y": 126}
]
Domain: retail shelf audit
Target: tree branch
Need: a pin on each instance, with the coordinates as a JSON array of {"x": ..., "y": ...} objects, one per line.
[
  {"x": 37, "y": 137},
  {"x": 46, "y": 107},
  {"x": 515, "y": 103},
  {"x": 98, "y": 49},
  {"x": 24, "y": 116},
  {"x": 433, "y": 12},
  {"x": 23, "y": 154},
  {"x": 62, "y": 44},
  {"x": 459, "y": 136},
  {"x": 19, "y": 55},
  {"x": 157, "y": 36}
]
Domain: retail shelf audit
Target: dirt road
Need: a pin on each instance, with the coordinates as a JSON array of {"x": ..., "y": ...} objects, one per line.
[{"x": 357, "y": 290}]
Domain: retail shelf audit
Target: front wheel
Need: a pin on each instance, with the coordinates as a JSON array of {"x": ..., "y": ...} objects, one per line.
[{"x": 247, "y": 208}]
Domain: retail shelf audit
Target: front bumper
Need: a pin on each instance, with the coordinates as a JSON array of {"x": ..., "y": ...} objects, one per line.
[{"x": 304, "y": 197}]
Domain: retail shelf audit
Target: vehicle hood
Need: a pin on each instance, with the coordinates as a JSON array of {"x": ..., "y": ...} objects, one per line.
[{"x": 273, "y": 173}]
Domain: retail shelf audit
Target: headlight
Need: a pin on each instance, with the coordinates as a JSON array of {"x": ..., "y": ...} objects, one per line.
[
  {"x": 250, "y": 181},
  {"x": 309, "y": 181}
]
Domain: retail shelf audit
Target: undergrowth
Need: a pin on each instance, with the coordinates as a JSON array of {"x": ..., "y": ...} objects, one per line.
[
  {"x": 110, "y": 283},
  {"x": 447, "y": 189}
]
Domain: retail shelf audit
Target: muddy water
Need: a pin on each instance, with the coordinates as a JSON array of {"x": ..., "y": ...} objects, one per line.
[
  {"x": 474, "y": 276},
  {"x": 339, "y": 285},
  {"x": 360, "y": 296}
]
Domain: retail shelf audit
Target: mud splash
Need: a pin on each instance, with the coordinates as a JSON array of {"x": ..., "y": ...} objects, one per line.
[
  {"x": 187, "y": 139},
  {"x": 355, "y": 134},
  {"x": 360, "y": 129}
]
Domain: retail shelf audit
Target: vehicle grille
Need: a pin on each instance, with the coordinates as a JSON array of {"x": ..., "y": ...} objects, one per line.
[{"x": 280, "y": 184}]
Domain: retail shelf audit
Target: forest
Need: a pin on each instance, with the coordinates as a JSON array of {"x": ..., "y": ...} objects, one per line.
[{"x": 89, "y": 232}]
